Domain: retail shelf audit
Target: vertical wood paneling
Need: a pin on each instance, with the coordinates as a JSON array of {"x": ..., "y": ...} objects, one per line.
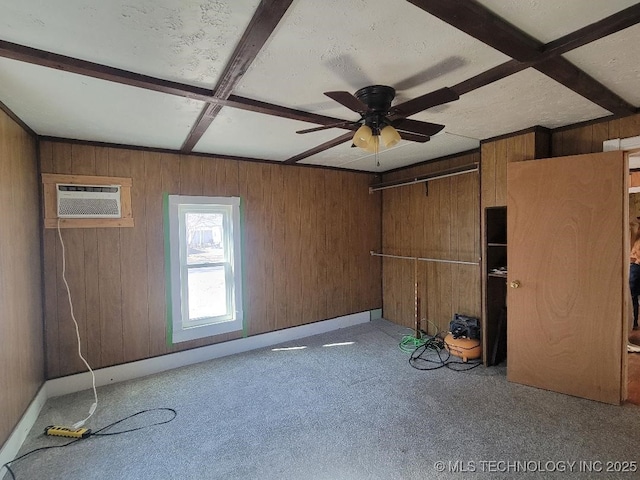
[
  {"x": 279, "y": 281},
  {"x": 256, "y": 219},
  {"x": 292, "y": 247},
  {"x": 51, "y": 278},
  {"x": 599, "y": 133},
  {"x": 135, "y": 307},
  {"x": 75, "y": 276},
  {"x": 308, "y": 225},
  {"x": 629, "y": 126},
  {"x": 496, "y": 155},
  {"x": 488, "y": 173},
  {"x": 21, "y": 342},
  {"x": 443, "y": 224},
  {"x": 589, "y": 138},
  {"x": 307, "y": 234},
  {"x": 83, "y": 162},
  {"x": 334, "y": 229},
  {"x": 267, "y": 236},
  {"x": 501, "y": 160},
  {"x": 153, "y": 164},
  {"x": 170, "y": 179},
  {"x": 109, "y": 261}
]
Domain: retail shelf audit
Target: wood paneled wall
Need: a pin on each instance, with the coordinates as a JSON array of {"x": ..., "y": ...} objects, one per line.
[
  {"x": 589, "y": 138},
  {"x": 307, "y": 234},
  {"x": 21, "y": 343},
  {"x": 443, "y": 224},
  {"x": 496, "y": 154}
]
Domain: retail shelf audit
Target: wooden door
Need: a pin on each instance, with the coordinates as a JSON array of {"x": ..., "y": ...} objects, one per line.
[{"x": 568, "y": 260}]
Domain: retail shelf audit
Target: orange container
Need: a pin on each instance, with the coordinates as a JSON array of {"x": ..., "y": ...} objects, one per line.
[{"x": 463, "y": 347}]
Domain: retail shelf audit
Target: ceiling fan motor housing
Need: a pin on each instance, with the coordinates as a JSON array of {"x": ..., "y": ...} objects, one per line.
[{"x": 378, "y": 98}]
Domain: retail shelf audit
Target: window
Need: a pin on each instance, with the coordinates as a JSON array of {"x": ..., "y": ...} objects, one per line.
[{"x": 205, "y": 261}]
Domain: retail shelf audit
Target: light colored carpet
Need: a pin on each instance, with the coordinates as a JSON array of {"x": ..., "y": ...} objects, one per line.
[{"x": 355, "y": 411}]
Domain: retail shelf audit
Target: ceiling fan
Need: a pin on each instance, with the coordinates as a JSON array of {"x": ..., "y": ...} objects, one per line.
[{"x": 381, "y": 121}]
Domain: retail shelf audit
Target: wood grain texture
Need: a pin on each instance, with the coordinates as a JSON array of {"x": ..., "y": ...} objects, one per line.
[
  {"x": 441, "y": 224},
  {"x": 495, "y": 156},
  {"x": 21, "y": 342},
  {"x": 589, "y": 138},
  {"x": 307, "y": 234},
  {"x": 571, "y": 263}
]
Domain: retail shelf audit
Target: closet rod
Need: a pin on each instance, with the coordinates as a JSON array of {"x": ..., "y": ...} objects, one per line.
[
  {"x": 436, "y": 260},
  {"x": 452, "y": 172}
]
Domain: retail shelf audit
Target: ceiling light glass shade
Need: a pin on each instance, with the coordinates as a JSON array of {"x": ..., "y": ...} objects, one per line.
[
  {"x": 362, "y": 136},
  {"x": 373, "y": 144},
  {"x": 390, "y": 136}
]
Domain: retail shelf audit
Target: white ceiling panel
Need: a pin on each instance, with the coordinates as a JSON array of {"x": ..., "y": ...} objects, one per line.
[
  {"x": 338, "y": 45},
  {"x": 188, "y": 41},
  {"x": 520, "y": 101},
  {"x": 404, "y": 153},
  {"x": 318, "y": 46},
  {"x": 249, "y": 134},
  {"x": 55, "y": 103},
  {"x": 546, "y": 20},
  {"x": 613, "y": 61}
]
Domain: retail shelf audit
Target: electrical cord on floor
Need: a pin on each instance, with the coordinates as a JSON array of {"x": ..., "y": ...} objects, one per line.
[
  {"x": 94, "y": 405},
  {"x": 435, "y": 347},
  {"x": 98, "y": 433},
  {"x": 410, "y": 342}
]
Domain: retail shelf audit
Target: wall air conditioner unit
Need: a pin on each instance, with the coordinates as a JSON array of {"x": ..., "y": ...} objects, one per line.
[{"x": 88, "y": 201}]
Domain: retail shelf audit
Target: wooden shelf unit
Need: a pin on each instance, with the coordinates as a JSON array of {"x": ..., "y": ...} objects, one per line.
[{"x": 494, "y": 325}]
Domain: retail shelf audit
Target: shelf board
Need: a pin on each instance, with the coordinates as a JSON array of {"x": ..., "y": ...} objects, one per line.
[
  {"x": 497, "y": 275},
  {"x": 494, "y": 244}
]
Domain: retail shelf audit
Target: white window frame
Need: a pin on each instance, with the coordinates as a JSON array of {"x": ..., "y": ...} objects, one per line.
[{"x": 184, "y": 329}]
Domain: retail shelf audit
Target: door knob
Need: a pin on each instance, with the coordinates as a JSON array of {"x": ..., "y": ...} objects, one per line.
[{"x": 515, "y": 284}]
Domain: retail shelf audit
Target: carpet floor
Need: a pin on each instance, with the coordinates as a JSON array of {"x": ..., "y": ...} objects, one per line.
[{"x": 346, "y": 406}]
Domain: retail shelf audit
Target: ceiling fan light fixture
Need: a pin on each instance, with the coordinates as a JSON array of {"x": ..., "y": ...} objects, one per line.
[
  {"x": 373, "y": 145},
  {"x": 390, "y": 136},
  {"x": 362, "y": 136}
]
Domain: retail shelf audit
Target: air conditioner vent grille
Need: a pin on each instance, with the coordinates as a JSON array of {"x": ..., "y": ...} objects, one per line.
[
  {"x": 89, "y": 207},
  {"x": 89, "y": 201}
]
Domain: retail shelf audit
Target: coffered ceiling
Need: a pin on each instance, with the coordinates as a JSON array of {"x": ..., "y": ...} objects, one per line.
[{"x": 239, "y": 78}]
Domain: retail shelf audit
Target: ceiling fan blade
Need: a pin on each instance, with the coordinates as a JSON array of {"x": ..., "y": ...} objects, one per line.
[
  {"x": 415, "y": 126},
  {"x": 320, "y": 148},
  {"x": 413, "y": 137},
  {"x": 349, "y": 101},
  {"x": 325, "y": 127},
  {"x": 423, "y": 102}
]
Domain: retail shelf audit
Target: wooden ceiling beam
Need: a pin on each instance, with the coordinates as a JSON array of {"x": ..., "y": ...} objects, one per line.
[
  {"x": 482, "y": 24},
  {"x": 565, "y": 73},
  {"x": 63, "y": 63},
  {"x": 474, "y": 19},
  {"x": 103, "y": 72},
  {"x": 262, "y": 24},
  {"x": 602, "y": 28}
]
